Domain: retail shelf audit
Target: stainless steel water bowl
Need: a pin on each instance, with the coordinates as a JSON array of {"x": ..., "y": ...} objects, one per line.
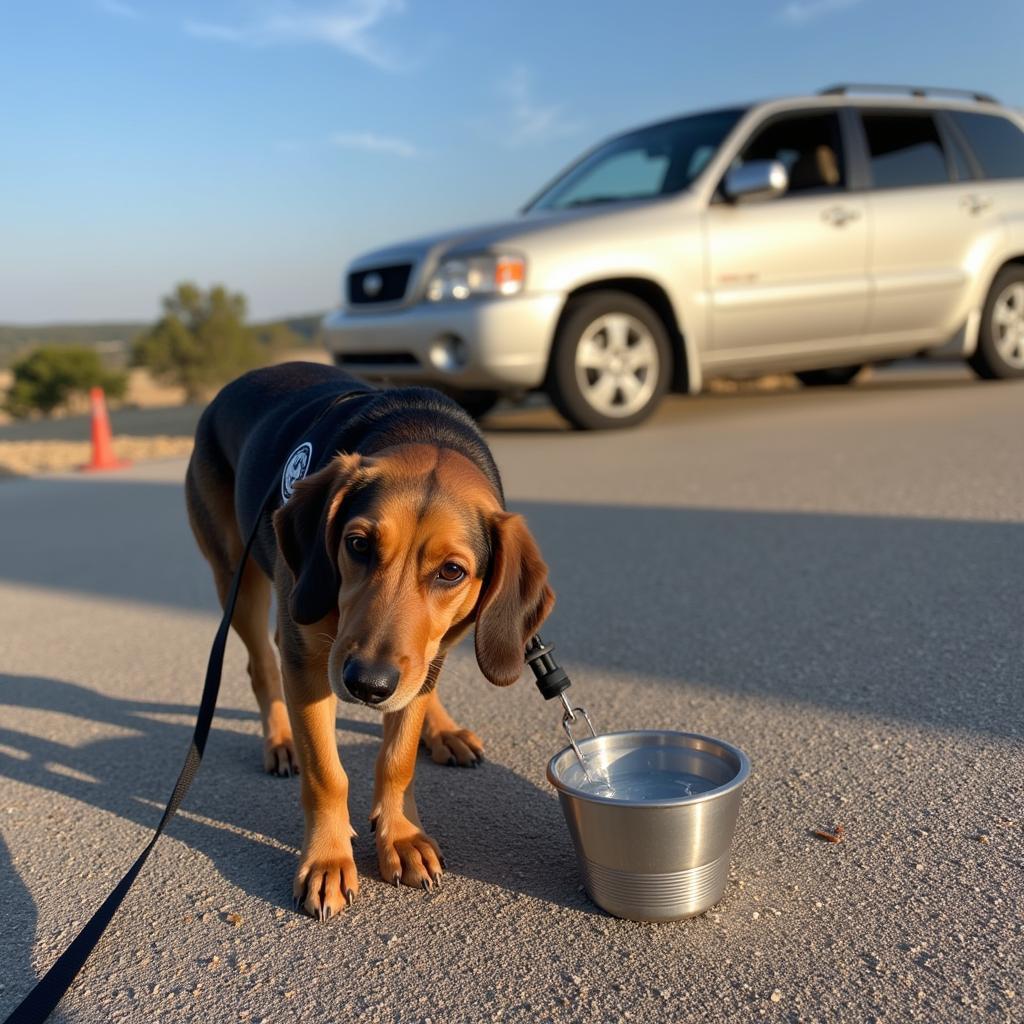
[{"x": 652, "y": 859}]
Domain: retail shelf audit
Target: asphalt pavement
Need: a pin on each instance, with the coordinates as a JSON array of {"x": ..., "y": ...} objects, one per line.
[{"x": 833, "y": 580}]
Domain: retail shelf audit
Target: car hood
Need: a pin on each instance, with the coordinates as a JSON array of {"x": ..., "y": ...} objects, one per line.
[{"x": 514, "y": 231}]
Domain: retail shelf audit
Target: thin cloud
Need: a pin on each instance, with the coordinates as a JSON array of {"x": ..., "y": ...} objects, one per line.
[
  {"x": 226, "y": 33},
  {"x": 800, "y": 12},
  {"x": 369, "y": 142},
  {"x": 347, "y": 27},
  {"x": 529, "y": 120},
  {"x": 118, "y": 9}
]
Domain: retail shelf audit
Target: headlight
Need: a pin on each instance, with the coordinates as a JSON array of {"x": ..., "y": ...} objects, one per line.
[{"x": 477, "y": 275}]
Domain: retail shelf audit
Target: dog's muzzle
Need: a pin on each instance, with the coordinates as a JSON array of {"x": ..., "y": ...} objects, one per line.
[{"x": 368, "y": 682}]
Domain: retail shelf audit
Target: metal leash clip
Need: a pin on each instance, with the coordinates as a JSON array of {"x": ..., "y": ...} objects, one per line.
[
  {"x": 567, "y": 721},
  {"x": 552, "y": 681}
]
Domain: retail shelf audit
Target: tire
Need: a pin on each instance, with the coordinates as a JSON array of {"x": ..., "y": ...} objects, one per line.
[
  {"x": 1000, "y": 351},
  {"x": 477, "y": 403},
  {"x": 616, "y": 338},
  {"x": 833, "y": 377}
]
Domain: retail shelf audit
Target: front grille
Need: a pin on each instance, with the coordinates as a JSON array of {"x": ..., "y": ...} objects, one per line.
[
  {"x": 392, "y": 284},
  {"x": 376, "y": 359}
]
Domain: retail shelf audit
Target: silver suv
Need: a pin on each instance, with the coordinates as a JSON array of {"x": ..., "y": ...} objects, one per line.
[{"x": 813, "y": 235}]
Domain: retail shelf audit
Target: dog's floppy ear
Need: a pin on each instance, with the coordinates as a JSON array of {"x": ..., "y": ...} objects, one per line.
[
  {"x": 305, "y": 535},
  {"x": 516, "y": 599}
]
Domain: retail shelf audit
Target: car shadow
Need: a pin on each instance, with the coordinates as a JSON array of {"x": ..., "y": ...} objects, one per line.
[{"x": 903, "y": 618}]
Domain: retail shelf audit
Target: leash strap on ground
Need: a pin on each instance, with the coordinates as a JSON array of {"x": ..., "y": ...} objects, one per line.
[{"x": 48, "y": 991}]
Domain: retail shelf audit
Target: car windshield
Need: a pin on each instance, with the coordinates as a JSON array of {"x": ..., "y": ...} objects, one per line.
[{"x": 659, "y": 160}]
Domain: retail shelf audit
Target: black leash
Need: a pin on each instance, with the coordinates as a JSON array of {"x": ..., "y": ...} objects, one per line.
[{"x": 48, "y": 991}]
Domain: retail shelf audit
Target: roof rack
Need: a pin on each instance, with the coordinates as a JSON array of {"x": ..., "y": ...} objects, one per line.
[{"x": 914, "y": 90}]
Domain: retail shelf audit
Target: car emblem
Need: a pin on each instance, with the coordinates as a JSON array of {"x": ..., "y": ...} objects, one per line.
[{"x": 372, "y": 284}]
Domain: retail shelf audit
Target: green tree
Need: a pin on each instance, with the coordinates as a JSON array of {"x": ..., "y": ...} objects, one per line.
[
  {"x": 48, "y": 377},
  {"x": 201, "y": 341}
]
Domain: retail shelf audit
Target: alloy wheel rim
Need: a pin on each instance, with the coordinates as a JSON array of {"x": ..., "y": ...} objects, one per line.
[
  {"x": 1008, "y": 325},
  {"x": 617, "y": 365}
]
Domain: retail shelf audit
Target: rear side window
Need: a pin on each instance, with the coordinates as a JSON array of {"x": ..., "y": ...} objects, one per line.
[
  {"x": 997, "y": 143},
  {"x": 905, "y": 150}
]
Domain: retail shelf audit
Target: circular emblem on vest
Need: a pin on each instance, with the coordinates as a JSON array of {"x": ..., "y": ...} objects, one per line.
[{"x": 296, "y": 468}]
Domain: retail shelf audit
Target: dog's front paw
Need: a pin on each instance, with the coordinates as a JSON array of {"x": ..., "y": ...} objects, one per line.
[
  {"x": 407, "y": 855},
  {"x": 326, "y": 882},
  {"x": 454, "y": 746}
]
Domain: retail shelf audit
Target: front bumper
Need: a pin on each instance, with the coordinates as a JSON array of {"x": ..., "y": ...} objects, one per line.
[{"x": 506, "y": 341}]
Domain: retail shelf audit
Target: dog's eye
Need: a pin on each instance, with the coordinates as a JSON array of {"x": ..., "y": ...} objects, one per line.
[
  {"x": 451, "y": 572},
  {"x": 357, "y": 544}
]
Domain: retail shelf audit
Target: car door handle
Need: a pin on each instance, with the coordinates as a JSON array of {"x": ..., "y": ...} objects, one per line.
[
  {"x": 975, "y": 204},
  {"x": 837, "y": 216}
]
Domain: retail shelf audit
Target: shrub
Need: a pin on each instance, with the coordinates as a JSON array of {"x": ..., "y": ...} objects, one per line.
[{"x": 46, "y": 379}]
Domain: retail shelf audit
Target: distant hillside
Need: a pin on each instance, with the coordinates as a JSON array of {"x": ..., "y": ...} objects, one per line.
[
  {"x": 16, "y": 337},
  {"x": 307, "y": 324},
  {"x": 116, "y": 337}
]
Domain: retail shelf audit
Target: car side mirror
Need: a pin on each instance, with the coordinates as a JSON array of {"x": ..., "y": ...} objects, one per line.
[{"x": 755, "y": 181}]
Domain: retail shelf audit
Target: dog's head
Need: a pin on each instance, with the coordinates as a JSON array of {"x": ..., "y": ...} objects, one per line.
[{"x": 409, "y": 548}]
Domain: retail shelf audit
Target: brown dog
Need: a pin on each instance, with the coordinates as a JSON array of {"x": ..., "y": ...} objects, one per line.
[{"x": 389, "y": 541}]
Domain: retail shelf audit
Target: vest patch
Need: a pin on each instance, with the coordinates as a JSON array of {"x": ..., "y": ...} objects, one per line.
[{"x": 296, "y": 468}]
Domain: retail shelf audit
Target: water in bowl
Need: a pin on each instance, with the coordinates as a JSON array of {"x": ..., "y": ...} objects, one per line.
[{"x": 642, "y": 785}]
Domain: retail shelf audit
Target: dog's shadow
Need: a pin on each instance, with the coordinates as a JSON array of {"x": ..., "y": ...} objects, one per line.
[{"x": 493, "y": 825}]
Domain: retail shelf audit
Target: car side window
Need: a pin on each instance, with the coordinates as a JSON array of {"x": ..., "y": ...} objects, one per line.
[
  {"x": 809, "y": 146},
  {"x": 905, "y": 150},
  {"x": 997, "y": 142}
]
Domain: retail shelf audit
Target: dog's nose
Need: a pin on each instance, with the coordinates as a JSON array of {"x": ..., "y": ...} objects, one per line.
[{"x": 370, "y": 683}]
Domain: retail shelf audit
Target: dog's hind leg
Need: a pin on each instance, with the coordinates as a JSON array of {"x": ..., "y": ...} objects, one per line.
[
  {"x": 211, "y": 512},
  {"x": 446, "y": 740},
  {"x": 250, "y": 622}
]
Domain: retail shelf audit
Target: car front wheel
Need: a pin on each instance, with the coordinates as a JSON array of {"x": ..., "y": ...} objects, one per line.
[
  {"x": 611, "y": 362},
  {"x": 1000, "y": 351}
]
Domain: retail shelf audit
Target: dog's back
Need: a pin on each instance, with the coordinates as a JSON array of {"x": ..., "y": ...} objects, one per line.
[
  {"x": 269, "y": 395},
  {"x": 260, "y": 420}
]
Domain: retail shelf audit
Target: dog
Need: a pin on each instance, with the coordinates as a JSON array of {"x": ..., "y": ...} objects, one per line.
[{"x": 381, "y": 525}]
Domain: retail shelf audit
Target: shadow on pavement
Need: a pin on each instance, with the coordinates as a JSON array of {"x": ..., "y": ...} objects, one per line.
[
  {"x": 907, "y": 619},
  {"x": 20, "y": 920},
  {"x": 247, "y": 823}
]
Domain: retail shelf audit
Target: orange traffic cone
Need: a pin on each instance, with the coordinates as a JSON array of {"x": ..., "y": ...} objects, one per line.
[{"x": 103, "y": 456}]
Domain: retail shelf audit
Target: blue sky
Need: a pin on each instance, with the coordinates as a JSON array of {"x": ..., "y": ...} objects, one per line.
[{"x": 263, "y": 143}]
